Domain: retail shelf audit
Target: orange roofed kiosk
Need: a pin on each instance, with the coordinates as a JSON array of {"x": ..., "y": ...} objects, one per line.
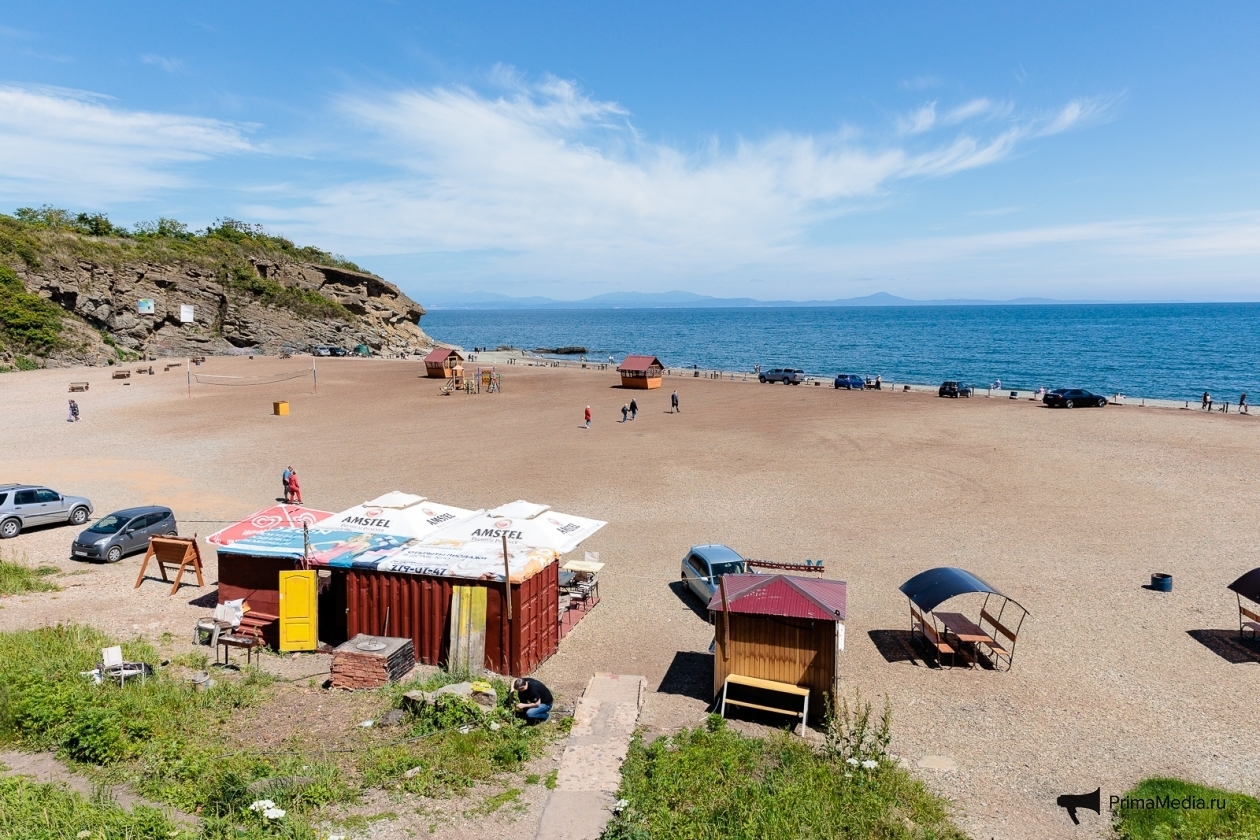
[
  {"x": 640, "y": 372},
  {"x": 441, "y": 363}
]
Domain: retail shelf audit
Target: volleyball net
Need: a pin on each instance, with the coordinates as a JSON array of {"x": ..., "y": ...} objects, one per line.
[{"x": 245, "y": 381}]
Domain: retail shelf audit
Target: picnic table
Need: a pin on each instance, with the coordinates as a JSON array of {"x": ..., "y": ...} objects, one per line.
[{"x": 964, "y": 629}]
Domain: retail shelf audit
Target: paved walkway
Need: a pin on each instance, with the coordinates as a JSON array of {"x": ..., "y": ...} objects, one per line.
[{"x": 590, "y": 769}]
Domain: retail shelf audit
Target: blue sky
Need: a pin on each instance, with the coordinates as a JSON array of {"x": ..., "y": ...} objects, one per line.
[{"x": 1070, "y": 150}]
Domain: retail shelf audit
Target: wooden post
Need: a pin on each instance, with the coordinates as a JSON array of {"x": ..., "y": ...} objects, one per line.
[
  {"x": 726, "y": 621},
  {"x": 507, "y": 603}
]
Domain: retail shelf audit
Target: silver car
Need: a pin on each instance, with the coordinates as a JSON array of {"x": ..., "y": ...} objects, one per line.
[
  {"x": 704, "y": 565},
  {"x": 124, "y": 532},
  {"x": 24, "y": 505}
]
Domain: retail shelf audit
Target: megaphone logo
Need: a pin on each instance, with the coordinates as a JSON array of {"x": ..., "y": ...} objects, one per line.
[{"x": 1072, "y": 801}]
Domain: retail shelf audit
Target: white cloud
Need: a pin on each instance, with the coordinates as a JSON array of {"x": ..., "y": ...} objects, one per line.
[
  {"x": 71, "y": 145},
  {"x": 918, "y": 121},
  {"x": 1076, "y": 113},
  {"x": 170, "y": 65},
  {"x": 974, "y": 108}
]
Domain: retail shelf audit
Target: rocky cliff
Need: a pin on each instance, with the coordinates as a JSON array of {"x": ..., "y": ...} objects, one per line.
[{"x": 247, "y": 294}]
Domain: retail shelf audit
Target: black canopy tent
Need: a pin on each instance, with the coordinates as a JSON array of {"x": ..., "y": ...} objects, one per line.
[
  {"x": 1247, "y": 586},
  {"x": 928, "y": 590}
]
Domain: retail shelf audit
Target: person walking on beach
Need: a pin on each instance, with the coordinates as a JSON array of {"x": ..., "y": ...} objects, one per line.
[
  {"x": 1242, "y": 405},
  {"x": 295, "y": 488},
  {"x": 588, "y": 417},
  {"x": 1207, "y": 401},
  {"x": 284, "y": 479},
  {"x": 673, "y": 403},
  {"x": 73, "y": 416},
  {"x": 634, "y": 408},
  {"x": 625, "y": 410}
]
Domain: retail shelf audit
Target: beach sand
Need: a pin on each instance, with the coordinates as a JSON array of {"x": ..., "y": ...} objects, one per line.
[{"x": 1069, "y": 512}]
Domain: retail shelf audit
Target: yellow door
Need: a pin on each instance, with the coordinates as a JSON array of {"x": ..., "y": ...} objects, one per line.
[{"x": 299, "y": 622}]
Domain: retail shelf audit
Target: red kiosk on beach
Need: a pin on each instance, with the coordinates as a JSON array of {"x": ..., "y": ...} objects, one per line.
[{"x": 641, "y": 372}]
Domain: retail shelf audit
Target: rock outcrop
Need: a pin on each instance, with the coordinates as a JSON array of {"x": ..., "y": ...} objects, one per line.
[{"x": 227, "y": 316}]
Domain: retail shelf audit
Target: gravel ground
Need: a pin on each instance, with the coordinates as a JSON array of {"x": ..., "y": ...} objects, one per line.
[{"x": 1069, "y": 512}]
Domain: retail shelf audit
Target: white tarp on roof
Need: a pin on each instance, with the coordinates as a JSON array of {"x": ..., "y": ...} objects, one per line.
[
  {"x": 548, "y": 529},
  {"x": 477, "y": 560},
  {"x": 417, "y": 520}
]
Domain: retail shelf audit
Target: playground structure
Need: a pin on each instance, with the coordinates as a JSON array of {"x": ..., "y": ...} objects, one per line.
[{"x": 485, "y": 379}]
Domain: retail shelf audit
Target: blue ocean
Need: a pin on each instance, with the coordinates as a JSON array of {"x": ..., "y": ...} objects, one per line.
[{"x": 1166, "y": 351}]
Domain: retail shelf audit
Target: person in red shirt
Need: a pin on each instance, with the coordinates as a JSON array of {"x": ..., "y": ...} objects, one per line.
[
  {"x": 295, "y": 489},
  {"x": 588, "y": 417}
]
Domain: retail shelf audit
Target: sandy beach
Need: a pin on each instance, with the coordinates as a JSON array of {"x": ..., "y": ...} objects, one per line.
[{"x": 1068, "y": 512}]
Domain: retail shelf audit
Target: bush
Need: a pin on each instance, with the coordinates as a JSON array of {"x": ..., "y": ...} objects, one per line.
[
  {"x": 27, "y": 320},
  {"x": 1239, "y": 818},
  {"x": 34, "y": 811}
]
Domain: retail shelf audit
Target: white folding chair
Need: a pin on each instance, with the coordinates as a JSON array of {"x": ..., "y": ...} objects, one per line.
[{"x": 112, "y": 665}]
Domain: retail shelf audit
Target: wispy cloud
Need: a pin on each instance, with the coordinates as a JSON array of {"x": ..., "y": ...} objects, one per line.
[
  {"x": 918, "y": 121},
  {"x": 66, "y": 143},
  {"x": 925, "y": 82},
  {"x": 1076, "y": 113},
  {"x": 170, "y": 65}
]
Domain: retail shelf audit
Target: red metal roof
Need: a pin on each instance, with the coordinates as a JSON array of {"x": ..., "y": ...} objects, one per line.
[
  {"x": 783, "y": 595},
  {"x": 640, "y": 363},
  {"x": 439, "y": 354}
]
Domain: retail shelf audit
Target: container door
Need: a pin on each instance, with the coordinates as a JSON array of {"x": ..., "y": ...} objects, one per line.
[
  {"x": 299, "y": 622},
  {"x": 468, "y": 630}
]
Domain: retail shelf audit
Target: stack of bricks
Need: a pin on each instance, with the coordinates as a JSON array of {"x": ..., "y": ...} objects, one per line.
[{"x": 357, "y": 664}]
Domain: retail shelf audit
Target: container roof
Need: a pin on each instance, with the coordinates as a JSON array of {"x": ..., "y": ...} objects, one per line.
[
  {"x": 1248, "y": 585},
  {"x": 640, "y": 363},
  {"x": 787, "y": 596},
  {"x": 928, "y": 590}
]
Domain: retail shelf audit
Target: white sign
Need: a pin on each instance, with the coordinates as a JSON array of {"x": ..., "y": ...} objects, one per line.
[
  {"x": 145, "y": 306},
  {"x": 185, "y": 313}
]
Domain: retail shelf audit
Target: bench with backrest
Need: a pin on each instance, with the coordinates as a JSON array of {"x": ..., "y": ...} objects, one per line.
[
  {"x": 1248, "y": 620},
  {"x": 78, "y": 386},
  {"x": 765, "y": 685},
  {"x": 931, "y": 638},
  {"x": 1000, "y": 651}
]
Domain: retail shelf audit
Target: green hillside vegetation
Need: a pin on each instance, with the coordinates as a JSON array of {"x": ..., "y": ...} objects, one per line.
[{"x": 34, "y": 236}]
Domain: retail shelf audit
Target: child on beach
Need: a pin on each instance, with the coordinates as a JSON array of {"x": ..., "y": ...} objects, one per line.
[
  {"x": 625, "y": 410},
  {"x": 73, "y": 417},
  {"x": 588, "y": 417}
]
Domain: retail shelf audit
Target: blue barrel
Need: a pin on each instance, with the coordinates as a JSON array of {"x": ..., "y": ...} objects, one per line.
[{"x": 1161, "y": 582}]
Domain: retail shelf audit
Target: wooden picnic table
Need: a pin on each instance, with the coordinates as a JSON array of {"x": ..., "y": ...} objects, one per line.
[{"x": 965, "y": 631}]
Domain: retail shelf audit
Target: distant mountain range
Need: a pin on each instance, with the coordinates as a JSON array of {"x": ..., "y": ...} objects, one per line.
[{"x": 679, "y": 300}]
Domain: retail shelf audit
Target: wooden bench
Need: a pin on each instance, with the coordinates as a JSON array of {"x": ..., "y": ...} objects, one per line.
[
  {"x": 121, "y": 374},
  {"x": 171, "y": 365},
  {"x": 1244, "y": 624},
  {"x": 999, "y": 652},
  {"x": 78, "y": 386},
  {"x": 931, "y": 638},
  {"x": 767, "y": 685}
]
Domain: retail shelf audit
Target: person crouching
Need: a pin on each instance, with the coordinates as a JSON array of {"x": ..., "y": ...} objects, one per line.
[{"x": 533, "y": 700}]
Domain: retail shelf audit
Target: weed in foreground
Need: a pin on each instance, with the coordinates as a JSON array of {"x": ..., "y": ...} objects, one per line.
[
  {"x": 1214, "y": 814},
  {"x": 18, "y": 578}
]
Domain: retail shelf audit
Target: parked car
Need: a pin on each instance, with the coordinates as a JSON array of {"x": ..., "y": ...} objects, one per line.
[
  {"x": 321, "y": 350},
  {"x": 704, "y": 564},
  {"x": 850, "y": 382},
  {"x": 950, "y": 388},
  {"x": 788, "y": 376},
  {"x": 124, "y": 532},
  {"x": 337, "y": 351},
  {"x": 23, "y": 505},
  {"x": 1072, "y": 398}
]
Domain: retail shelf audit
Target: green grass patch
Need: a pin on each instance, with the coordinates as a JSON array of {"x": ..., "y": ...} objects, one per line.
[
  {"x": 713, "y": 782},
  {"x": 1147, "y": 812},
  {"x": 27, "y": 321},
  {"x": 34, "y": 811},
  {"x": 451, "y": 745},
  {"x": 303, "y": 302},
  {"x": 17, "y": 578}
]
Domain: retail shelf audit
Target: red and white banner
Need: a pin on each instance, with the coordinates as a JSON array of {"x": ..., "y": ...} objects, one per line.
[{"x": 278, "y": 516}]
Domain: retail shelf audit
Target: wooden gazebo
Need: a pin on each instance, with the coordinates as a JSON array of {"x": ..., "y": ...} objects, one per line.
[
  {"x": 640, "y": 372},
  {"x": 441, "y": 363}
]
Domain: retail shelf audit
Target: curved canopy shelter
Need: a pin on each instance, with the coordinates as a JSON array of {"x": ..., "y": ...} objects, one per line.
[
  {"x": 946, "y": 632},
  {"x": 1248, "y": 586}
]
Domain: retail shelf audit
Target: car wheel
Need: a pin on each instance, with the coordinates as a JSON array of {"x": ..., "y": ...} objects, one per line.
[
  {"x": 172, "y": 534},
  {"x": 1068, "y": 404},
  {"x": 1102, "y": 402},
  {"x": 78, "y": 516},
  {"x": 761, "y": 379},
  {"x": 113, "y": 555},
  {"x": 10, "y": 528}
]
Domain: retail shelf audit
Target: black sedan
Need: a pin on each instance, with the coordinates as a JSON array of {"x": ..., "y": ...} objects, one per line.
[
  {"x": 950, "y": 388},
  {"x": 1073, "y": 398}
]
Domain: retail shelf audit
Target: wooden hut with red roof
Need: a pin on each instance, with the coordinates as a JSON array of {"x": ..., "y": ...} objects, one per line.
[
  {"x": 782, "y": 629},
  {"x": 441, "y": 363},
  {"x": 640, "y": 372}
]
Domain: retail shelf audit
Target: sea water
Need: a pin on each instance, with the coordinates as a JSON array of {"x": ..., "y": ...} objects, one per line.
[{"x": 1168, "y": 351}]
